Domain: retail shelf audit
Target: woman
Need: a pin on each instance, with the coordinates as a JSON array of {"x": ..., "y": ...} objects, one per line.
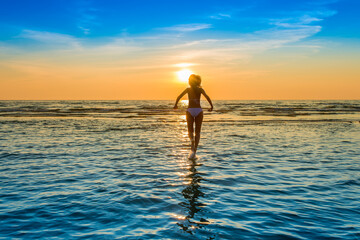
[{"x": 194, "y": 113}]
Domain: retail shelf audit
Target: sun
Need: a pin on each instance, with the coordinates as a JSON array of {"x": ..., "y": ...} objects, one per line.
[{"x": 184, "y": 75}]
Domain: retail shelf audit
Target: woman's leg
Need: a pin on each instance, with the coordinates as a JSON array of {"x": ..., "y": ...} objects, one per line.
[
  {"x": 190, "y": 125},
  {"x": 198, "y": 123}
]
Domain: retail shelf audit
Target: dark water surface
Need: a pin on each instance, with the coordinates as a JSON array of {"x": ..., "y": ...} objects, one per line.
[{"x": 119, "y": 170}]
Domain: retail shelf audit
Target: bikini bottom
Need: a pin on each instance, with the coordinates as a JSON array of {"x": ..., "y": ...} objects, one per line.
[{"x": 194, "y": 111}]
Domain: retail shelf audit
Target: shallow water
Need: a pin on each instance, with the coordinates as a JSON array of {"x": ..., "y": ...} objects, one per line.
[{"x": 119, "y": 170}]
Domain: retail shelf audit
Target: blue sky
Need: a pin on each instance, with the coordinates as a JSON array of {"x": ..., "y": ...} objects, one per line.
[
  {"x": 46, "y": 24},
  {"x": 109, "y": 18},
  {"x": 254, "y": 40}
]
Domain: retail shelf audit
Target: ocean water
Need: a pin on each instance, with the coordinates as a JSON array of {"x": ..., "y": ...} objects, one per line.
[{"x": 119, "y": 170}]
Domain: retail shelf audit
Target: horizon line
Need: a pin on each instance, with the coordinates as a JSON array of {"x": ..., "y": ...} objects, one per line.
[{"x": 272, "y": 99}]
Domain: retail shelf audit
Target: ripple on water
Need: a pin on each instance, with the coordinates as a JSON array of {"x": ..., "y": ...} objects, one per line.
[{"x": 128, "y": 177}]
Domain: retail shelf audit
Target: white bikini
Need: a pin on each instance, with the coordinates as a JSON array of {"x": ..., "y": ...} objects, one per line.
[{"x": 194, "y": 111}]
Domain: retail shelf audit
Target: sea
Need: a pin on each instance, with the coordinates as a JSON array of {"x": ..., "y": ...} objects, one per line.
[{"x": 120, "y": 170}]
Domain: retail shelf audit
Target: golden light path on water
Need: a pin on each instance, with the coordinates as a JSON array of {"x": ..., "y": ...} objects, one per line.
[{"x": 192, "y": 217}]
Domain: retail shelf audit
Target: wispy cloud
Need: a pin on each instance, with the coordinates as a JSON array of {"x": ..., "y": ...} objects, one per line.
[
  {"x": 166, "y": 50},
  {"x": 231, "y": 13},
  {"x": 220, "y": 16},
  {"x": 50, "y": 38},
  {"x": 188, "y": 27},
  {"x": 306, "y": 19},
  {"x": 302, "y": 19},
  {"x": 87, "y": 17},
  {"x": 173, "y": 45}
]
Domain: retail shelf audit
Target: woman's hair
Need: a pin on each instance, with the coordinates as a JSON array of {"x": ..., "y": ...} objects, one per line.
[{"x": 194, "y": 80}]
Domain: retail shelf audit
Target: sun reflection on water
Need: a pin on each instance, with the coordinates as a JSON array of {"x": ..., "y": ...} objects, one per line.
[
  {"x": 192, "y": 193},
  {"x": 183, "y": 103},
  {"x": 193, "y": 217}
]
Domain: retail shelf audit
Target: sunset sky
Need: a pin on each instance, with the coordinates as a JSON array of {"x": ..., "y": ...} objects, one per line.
[{"x": 140, "y": 49}]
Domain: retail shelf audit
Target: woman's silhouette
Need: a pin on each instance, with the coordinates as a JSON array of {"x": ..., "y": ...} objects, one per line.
[{"x": 194, "y": 113}]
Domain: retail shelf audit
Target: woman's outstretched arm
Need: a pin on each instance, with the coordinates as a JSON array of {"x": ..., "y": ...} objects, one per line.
[
  {"x": 179, "y": 97},
  {"x": 208, "y": 99}
]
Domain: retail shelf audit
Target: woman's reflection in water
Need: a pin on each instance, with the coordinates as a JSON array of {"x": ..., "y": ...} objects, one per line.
[{"x": 192, "y": 193}]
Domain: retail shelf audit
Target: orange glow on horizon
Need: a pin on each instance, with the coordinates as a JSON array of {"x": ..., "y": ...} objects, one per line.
[{"x": 54, "y": 78}]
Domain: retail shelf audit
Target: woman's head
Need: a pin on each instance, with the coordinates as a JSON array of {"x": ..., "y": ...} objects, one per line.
[{"x": 194, "y": 80}]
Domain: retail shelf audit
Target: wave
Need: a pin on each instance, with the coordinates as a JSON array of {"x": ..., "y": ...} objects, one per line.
[{"x": 118, "y": 109}]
